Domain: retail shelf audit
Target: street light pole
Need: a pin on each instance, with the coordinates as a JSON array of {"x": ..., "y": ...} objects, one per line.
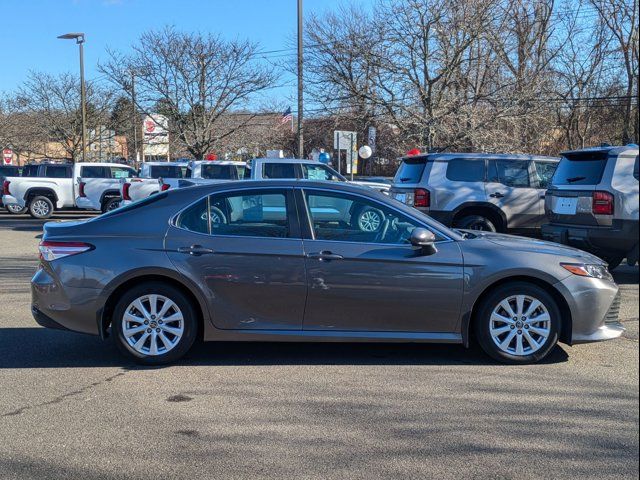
[
  {"x": 300, "y": 99},
  {"x": 79, "y": 38}
]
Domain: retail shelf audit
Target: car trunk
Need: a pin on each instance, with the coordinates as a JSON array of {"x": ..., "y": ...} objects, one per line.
[
  {"x": 412, "y": 174},
  {"x": 573, "y": 195}
]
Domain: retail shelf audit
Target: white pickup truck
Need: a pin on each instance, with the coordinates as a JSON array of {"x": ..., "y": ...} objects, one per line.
[
  {"x": 198, "y": 171},
  {"x": 46, "y": 187},
  {"x": 275, "y": 168},
  {"x": 145, "y": 183},
  {"x": 99, "y": 187}
]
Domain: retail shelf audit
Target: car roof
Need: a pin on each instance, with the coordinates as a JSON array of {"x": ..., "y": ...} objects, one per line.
[
  {"x": 217, "y": 162},
  {"x": 444, "y": 157},
  {"x": 172, "y": 164},
  {"x": 610, "y": 149},
  {"x": 288, "y": 160},
  {"x": 283, "y": 183}
]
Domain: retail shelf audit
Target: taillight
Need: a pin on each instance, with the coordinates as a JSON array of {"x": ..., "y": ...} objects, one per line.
[
  {"x": 164, "y": 187},
  {"x": 5, "y": 187},
  {"x": 125, "y": 191},
  {"x": 602, "y": 203},
  {"x": 81, "y": 189},
  {"x": 421, "y": 198},
  {"x": 53, "y": 250}
]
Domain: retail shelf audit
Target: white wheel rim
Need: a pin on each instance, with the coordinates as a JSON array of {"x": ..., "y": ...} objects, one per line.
[
  {"x": 41, "y": 208},
  {"x": 369, "y": 221},
  {"x": 152, "y": 324},
  {"x": 520, "y": 325},
  {"x": 14, "y": 207}
]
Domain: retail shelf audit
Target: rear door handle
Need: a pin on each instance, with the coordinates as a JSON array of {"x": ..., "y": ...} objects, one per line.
[
  {"x": 497, "y": 195},
  {"x": 325, "y": 256},
  {"x": 195, "y": 250}
]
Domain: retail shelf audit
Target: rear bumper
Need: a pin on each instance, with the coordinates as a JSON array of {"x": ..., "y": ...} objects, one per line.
[
  {"x": 10, "y": 199},
  {"x": 54, "y": 305},
  {"x": 620, "y": 238},
  {"x": 86, "y": 203}
]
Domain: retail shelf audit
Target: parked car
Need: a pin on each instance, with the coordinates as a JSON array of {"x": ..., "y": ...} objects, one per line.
[
  {"x": 207, "y": 171},
  {"x": 146, "y": 183},
  {"x": 11, "y": 171},
  {"x": 99, "y": 187},
  {"x": 496, "y": 193},
  {"x": 46, "y": 187},
  {"x": 592, "y": 203},
  {"x": 287, "y": 260}
]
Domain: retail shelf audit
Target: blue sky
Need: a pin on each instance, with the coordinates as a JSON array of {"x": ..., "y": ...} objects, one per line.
[{"x": 28, "y": 37}]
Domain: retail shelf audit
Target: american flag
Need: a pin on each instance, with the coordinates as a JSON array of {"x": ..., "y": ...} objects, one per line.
[{"x": 286, "y": 116}]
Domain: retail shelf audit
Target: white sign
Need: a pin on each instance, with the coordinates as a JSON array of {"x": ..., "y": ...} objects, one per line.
[
  {"x": 365, "y": 151},
  {"x": 372, "y": 139},
  {"x": 7, "y": 156},
  {"x": 343, "y": 140},
  {"x": 155, "y": 130}
]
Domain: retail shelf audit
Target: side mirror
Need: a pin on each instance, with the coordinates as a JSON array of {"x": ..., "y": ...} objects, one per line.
[{"x": 425, "y": 239}]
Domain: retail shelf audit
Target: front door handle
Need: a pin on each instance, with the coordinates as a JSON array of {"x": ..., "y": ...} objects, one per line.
[
  {"x": 195, "y": 250},
  {"x": 497, "y": 195},
  {"x": 325, "y": 256}
]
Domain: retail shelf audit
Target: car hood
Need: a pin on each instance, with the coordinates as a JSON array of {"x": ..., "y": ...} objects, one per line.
[{"x": 532, "y": 245}]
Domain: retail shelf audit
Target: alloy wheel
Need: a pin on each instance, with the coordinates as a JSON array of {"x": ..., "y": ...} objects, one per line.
[
  {"x": 152, "y": 324},
  {"x": 40, "y": 208},
  {"x": 520, "y": 325}
]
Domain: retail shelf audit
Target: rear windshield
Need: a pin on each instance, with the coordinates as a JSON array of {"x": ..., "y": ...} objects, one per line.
[
  {"x": 585, "y": 168},
  {"x": 166, "y": 171},
  {"x": 410, "y": 170}
]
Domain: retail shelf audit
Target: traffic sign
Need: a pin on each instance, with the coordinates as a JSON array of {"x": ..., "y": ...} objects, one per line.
[{"x": 7, "y": 156}]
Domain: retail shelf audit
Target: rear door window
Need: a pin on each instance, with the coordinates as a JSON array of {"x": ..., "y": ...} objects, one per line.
[
  {"x": 461, "y": 170},
  {"x": 57, "y": 171},
  {"x": 122, "y": 172},
  {"x": 410, "y": 170},
  {"x": 30, "y": 171},
  {"x": 320, "y": 172},
  {"x": 167, "y": 171},
  {"x": 94, "y": 171},
  {"x": 280, "y": 170},
  {"x": 9, "y": 172},
  {"x": 583, "y": 168},
  {"x": 218, "y": 172},
  {"x": 511, "y": 173}
]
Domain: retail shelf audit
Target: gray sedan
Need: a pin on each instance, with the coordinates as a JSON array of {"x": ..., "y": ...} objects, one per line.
[{"x": 312, "y": 261}]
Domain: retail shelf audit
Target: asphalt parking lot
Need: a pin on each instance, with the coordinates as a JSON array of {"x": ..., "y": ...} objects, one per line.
[{"x": 72, "y": 407}]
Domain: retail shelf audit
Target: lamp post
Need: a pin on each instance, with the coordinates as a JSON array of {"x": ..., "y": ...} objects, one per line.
[{"x": 79, "y": 38}]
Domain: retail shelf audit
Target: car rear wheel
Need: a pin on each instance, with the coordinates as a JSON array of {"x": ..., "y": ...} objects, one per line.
[
  {"x": 111, "y": 204},
  {"x": 40, "y": 207},
  {"x": 15, "y": 209},
  {"x": 518, "y": 323},
  {"x": 154, "y": 323},
  {"x": 476, "y": 222}
]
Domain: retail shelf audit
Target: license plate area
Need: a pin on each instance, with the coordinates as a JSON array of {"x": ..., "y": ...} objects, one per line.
[{"x": 565, "y": 205}]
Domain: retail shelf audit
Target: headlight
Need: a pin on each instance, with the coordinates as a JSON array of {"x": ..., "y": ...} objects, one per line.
[{"x": 588, "y": 270}]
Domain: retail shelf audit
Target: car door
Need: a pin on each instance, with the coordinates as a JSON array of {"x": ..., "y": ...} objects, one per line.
[
  {"x": 363, "y": 274},
  {"x": 66, "y": 184},
  {"x": 244, "y": 249},
  {"x": 509, "y": 188}
]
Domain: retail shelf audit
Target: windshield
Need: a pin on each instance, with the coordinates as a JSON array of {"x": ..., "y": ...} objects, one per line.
[
  {"x": 580, "y": 169},
  {"x": 166, "y": 171},
  {"x": 411, "y": 170}
]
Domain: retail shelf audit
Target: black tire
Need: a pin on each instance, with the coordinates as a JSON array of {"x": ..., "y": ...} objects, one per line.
[
  {"x": 482, "y": 323},
  {"x": 14, "y": 209},
  {"x": 111, "y": 204},
  {"x": 369, "y": 219},
  {"x": 475, "y": 222},
  {"x": 40, "y": 207},
  {"x": 190, "y": 321},
  {"x": 613, "y": 261}
]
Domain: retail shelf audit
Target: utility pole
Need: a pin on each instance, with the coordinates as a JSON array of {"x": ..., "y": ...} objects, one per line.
[
  {"x": 300, "y": 99},
  {"x": 134, "y": 119},
  {"x": 79, "y": 38}
]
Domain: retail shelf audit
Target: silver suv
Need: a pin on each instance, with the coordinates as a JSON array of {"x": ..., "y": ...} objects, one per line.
[
  {"x": 491, "y": 192},
  {"x": 592, "y": 203}
]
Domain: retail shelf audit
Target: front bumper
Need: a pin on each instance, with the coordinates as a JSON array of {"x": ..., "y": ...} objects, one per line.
[
  {"x": 594, "y": 306},
  {"x": 54, "y": 305},
  {"x": 619, "y": 238}
]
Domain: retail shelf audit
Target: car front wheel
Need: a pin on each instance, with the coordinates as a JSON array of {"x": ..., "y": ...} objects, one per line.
[
  {"x": 154, "y": 323},
  {"x": 518, "y": 323}
]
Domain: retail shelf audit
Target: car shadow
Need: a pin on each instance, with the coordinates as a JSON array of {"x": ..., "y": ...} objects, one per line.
[
  {"x": 626, "y": 275},
  {"x": 44, "y": 348}
]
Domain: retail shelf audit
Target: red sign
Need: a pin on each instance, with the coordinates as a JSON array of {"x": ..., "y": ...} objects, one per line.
[
  {"x": 211, "y": 156},
  {"x": 7, "y": 156}
]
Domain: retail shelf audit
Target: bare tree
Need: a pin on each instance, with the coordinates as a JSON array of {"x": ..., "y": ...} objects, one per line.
[{"x": 198, "y": 79}]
